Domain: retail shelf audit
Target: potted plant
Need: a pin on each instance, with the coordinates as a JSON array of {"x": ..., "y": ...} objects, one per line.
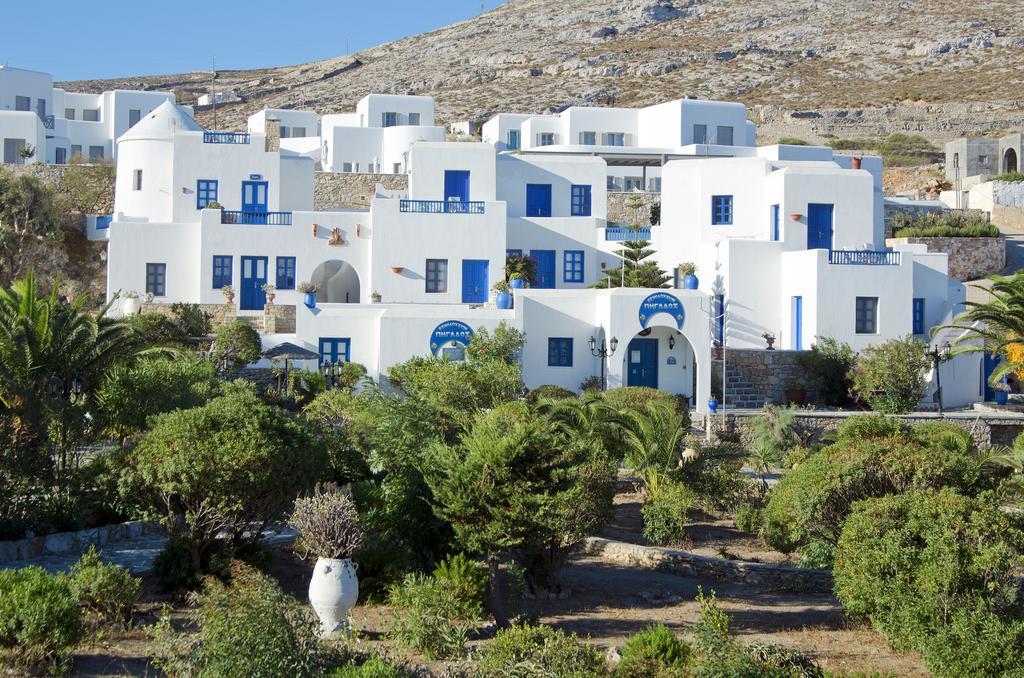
[
  {"x": 713, "y": 405},
  {"x": 796, "y": 392},
  {"x": 523, "y": 265},
  {"x": 687, "y": 274},
  {"x": 270, "y": 291},
  {"x": 504, "y": 297},
  {"x": 130, "y": 305},
  {"x": 309, "y": 289},
  {"x": 329, "y": 528},
  {"x": 229, "y": 293},
  {"x": 214, "y": 205},
  {"x": 516, "y": 282},
  {"x": 1001, "y": 392},
  {"x": 769, "y": 339},
  {"x": 375, "y": 297}
]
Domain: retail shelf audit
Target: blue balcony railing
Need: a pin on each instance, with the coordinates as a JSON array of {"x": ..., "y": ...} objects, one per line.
[
  {"x": 260, "y": 218},
  {"x": 225, "y": 137},
  {"x": 47, "y": 121},
  {"x": 618, "y": 233},
  {"x": 441, "y": 206},
  {"x": 864, "y": 257}
]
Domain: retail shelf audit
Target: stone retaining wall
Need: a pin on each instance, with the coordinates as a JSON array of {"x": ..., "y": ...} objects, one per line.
[
  {"x": 619, "y": 212},
  {"x": 73, "y": 542},
  {"x": 768, "y": 375},
  {"x": 347, "y": 190},
  {"x": 1006, "y": 216},
  {"x": 90, "y": 187},
  {"x": 276, "y": 318},
  {"x": 780, "y": 577},
  {"x": 969, "y": 258}
]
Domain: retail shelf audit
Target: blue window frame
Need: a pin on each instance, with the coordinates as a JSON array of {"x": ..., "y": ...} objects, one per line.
[
  {"x": 721, "y": 210},
  {"x": 513, "y": 253},
  {"x": 156, "y": 279},
  {"x": 572, "y": 266},
  {"x": 918, "y": 316},
  {"x": 334, "y": 349},
  {"x": 775, "y": 222},
  {"x": 103, "y": 221},
  {"x": 700, "y": 134},
  {"x": 581, "y": 201},
  {"x": 206, "y": 192},
  {"x": 437, "y": 276},
  {"x": 513, "y": 140},
  {"x": 285, "y": 273},
  {"x": 867, "y": 315},
  {"x": 389, "y": 119},
  {"x": 559, "y": 352},
  {"x": 221, "y": 270}
]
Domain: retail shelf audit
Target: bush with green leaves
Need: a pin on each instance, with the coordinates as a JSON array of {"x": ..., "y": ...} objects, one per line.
[
  {"x": 232, "y": 466},
  {"x": 372, "y": 667},
  {"x": 907, "y": 562},
  {"x": 503, "y": 345},
  {"x": 191, "y": 319},
  {"x": 156, "y": 329},
  {"x": 748, "y": 518},
  {"x": 549, "y": 392},
  {"x": 429, "y": 619},
  {"x": 236, "y": 344},
  {"x": 464, "y": 578},
  {"x": 655, "y": 652},
  {"x": 828, "y": 364},
  {"x": 107, "y": 590},
  {"x": 666, "y": 513},
  {"x": 246, "y": 628},
  {"x": 651, "y": 440},
  {"x": 538, "y": 652},
  {"x": 869, "y": 427},
  {"x": 773, "y": 435},
  {"x": 975, "y": 641},
  {"x": 942, "y": 225},
  {"x": 889, "y": 377},
  {"x": 628, "y": 398},
  {"x": 40, "y": 619}
]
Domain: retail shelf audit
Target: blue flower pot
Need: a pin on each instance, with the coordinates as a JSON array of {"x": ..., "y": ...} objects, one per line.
[
  {"x": 310, "y": 300},
  {"x": 517, "y": 283},
  {"x": 713, "y": 405},
  {"x": 1002, "y": 397},
  {"x": 690, "y": 282},
  {"x": 504, "y": 300}
]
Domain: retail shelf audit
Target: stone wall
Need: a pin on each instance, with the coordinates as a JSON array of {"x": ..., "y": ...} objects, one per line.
[
  {"x": 1005, "y": 216},
  {"x": 969, "y": 258},
  {"x": 347, "y": 190},
  {"x": 89, "y": 187},
  {"x": 755, "y": 377},
  {"x": 73, "y": 542},
  {"x": 279, "y": 319},
  {"x": 276, "y": 318},
  {"x": 619, "y": 212}
]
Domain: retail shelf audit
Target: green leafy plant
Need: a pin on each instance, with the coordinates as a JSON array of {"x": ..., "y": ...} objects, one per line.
[
  {"x": 430, "y": 619},
  {"x": 104, "y": 589},
  {"x": 638, "y": 271},
  {"x": 748, "y": 518},
  {"x": 40, "y": 620},
  {"x": 1009, "y": 176},
  {"x": 773, "y": 435},
  {"x": 328, "y": 523},
  {"x": 521, "y": 266},
  {"x": 655, "y": 651},
  {"x": 538, "y": 652},
  {"x": 666, "y": 513},
  {"x": 829, "y": 363},
  {"x": 464, "y": 578},
  {"x": 503, "y": 345},
  {"x": 191, "y": 319},
  {"x": 373, "y": 667},
  {"x": 236, "y": 344},
  {"x": 942, "y": 225},
  {"x": 889, "y": 376},
  {"x": 995, "y": 326},
  {"x": 549, "y": 392}
]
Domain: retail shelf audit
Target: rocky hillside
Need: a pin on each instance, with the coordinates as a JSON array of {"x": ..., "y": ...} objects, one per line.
[{"x": 809, "y": 68}]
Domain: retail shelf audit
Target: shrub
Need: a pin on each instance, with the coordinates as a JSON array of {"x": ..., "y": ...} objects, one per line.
[
  {"x": 976, "y": 642},
  {"x": 869, "y": 427},
  {"x": 773, "y": 435},
  {"x": 829, "y": 363},
  {"x": 250, "y": 628},
  {"x": 655, "y": 651},
  {"x": 107, "y": 590},
  {"x": 172, "y": 567},
  {"x": 191, "y": 319},
  {"x": 652, "y": 436},
  {"x": 430, "y": 619},
  {"x": 748, "y": 518},
  {"x": 464, "y": 578},
  {"x": 1009, "y": 176},
  {"x": 549, "y": 392},
  {"x": 791, "y": 663},
  {"x": 350, "y": 375},
  {"x": 591, "y": 384},
  {"x": 792, "y": 141},
  {"x": 889, "y": 377},
  {"x": 232, "y": 466},
  {"x": 538, "y": 652},
  {"x": 636, "y": 397},
  {"x": 504, "y": 345},
  {"x": 666, "y": 513},
  {"x": 236, "y": 344},
  {"x": 40, "y": 619},
  {"x": 374, "y": 667},
  {"x": 156, "y": 329},
  {"x": 906, "y": 562},
  {"x": 328, "y": 524},
  {"x": 942, "y": 225}
]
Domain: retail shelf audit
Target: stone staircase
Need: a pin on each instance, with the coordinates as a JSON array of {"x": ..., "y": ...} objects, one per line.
[{"x": 739, "y": 392}]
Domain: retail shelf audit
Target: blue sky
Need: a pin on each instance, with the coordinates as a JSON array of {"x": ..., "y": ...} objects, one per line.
[{"x": 113, "y": 38}]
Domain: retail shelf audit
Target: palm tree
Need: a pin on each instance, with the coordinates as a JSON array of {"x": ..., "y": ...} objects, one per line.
[
  {"x": 652, "y": 436},
  {"x": 588, "y": 420},
  {"x": 995, "y": 327}
]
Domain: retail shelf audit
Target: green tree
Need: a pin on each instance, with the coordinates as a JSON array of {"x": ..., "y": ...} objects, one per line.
[
  {"x": 237, "y": 344},
  {"x": 889, "y": 376},
  {"x": 638, "y": 272},
  {"x": 995, "y": 326},
  {"x": 29, "y": 210},
  {"x": 503, "y": 345}
]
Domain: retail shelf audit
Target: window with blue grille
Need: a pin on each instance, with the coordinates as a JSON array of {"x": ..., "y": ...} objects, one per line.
[
  {"x": 918, "y": 316},
  {"x": 437, "y": 276},
  {"x": 389, "y": 119},
  {"x": 285, "y": 273},
  {"x": 513, "y": 140},
  {"x": 721, "y": 210},
  {"x": 206, "y": 192},
  {"x": 221, "y": 271},
  {"x": 867, "y": 315},
  {"x": 334, "y": 350},
  {"x": 572, "y": 266},
  {"x": 559, "y": 352},
  {"x": 581, "y": 201},
  {"x": 156, "y": 279}
]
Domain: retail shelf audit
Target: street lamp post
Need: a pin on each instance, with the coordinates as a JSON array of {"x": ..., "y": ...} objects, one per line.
[
  {"x": 602, "y": 352},
  {"x": 939, "y": 354}
]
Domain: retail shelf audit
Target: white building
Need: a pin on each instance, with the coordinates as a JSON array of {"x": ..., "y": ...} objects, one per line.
[
  {"x": 59, "y": 125},
  {"x": 787, "y": 241}
]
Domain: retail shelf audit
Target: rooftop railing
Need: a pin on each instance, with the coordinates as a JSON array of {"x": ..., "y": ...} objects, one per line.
[
  {"x": 618, "y": 233},
  {"x": 225, "y": 137},
  {"x": 441, "y": 206},
  {"x": 864, "y": 257},
  {"x": 258, "y": 218}
]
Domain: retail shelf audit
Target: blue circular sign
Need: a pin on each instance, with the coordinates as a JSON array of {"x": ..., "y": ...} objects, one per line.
[
  {"x": 661, "y": 302},
  {"x": 450, "y": 332}
]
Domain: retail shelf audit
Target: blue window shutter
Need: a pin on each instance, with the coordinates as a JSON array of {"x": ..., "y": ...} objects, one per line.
[
  {"x": 285, "y": 279},
  {"x": 572, "y": 266},
  {"x": 918, "y": 316},
  {"x": 721, "y": 210},
  {"x": 775, "y": 222},
  {"x": 221, "y": 271},
  {"x": 580, "y": 201},
  {"x": 559, "y": 352}
]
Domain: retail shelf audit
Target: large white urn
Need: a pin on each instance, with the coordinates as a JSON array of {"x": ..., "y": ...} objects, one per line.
[
  {"x": 333, "y": 592},
  {"x": 130, "y": 306}
]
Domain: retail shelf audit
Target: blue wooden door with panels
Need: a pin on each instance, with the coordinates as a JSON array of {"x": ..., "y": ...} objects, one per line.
[
  {"x": 474, "y": 281},
  {"x": 642, "y": 363},
  {"x": 254, "y": 201},
  {"x": 545, "y": 260},
  {"x": 538, "y": 200},
  {"x": 254, "y": 277},
  {"x": 456, "y": 186},
  {"x": 819, "y": 226}
]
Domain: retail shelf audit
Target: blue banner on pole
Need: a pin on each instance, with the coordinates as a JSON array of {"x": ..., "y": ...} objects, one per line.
[
  {"x": 661, "y": 302},
  {"x": 450, "y": 332}
]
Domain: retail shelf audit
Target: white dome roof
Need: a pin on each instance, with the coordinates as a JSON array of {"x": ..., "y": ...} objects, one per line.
[{"x": 162, "y": 123}]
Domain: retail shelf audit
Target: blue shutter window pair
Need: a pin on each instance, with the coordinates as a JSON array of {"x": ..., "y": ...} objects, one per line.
[
  {"x": 572, "y": 266},
  {"x": 334, "y": 350},
  {"x": 721, "y": 210},
  {"x": 581, "y": 201},
  {"x": 156, "y": 279},
  {"x": 918, "y": 316},
  {"x": 285, "y": 273},
  {"x": 206, "y": 192},
  {"x": 559, "y": 352},
  {"x": 221, "y": 271}
]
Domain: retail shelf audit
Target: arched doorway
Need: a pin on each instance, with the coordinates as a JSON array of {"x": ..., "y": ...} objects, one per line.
[
  {"x": 660, "y": 357},
  {"x": 1010, "y": 160},
  {"x": 337, "y": 283}
]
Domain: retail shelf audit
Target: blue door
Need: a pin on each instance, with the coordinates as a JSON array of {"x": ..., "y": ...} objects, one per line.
[
  {"x": 642, "y": 363},
  {"x": 797, "y": 311},
  {"x": 545, "y": 260},
  {"x": 989, "y": 366},
  {"x": 254, "y": 277},
  {"x": 819, "y": 227},
  {"x": 474, "y": 281},
  {"x": 538, "y": 200},
  {"x": 456, "y": 188},
  {"x": 254, "y": 202}
]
